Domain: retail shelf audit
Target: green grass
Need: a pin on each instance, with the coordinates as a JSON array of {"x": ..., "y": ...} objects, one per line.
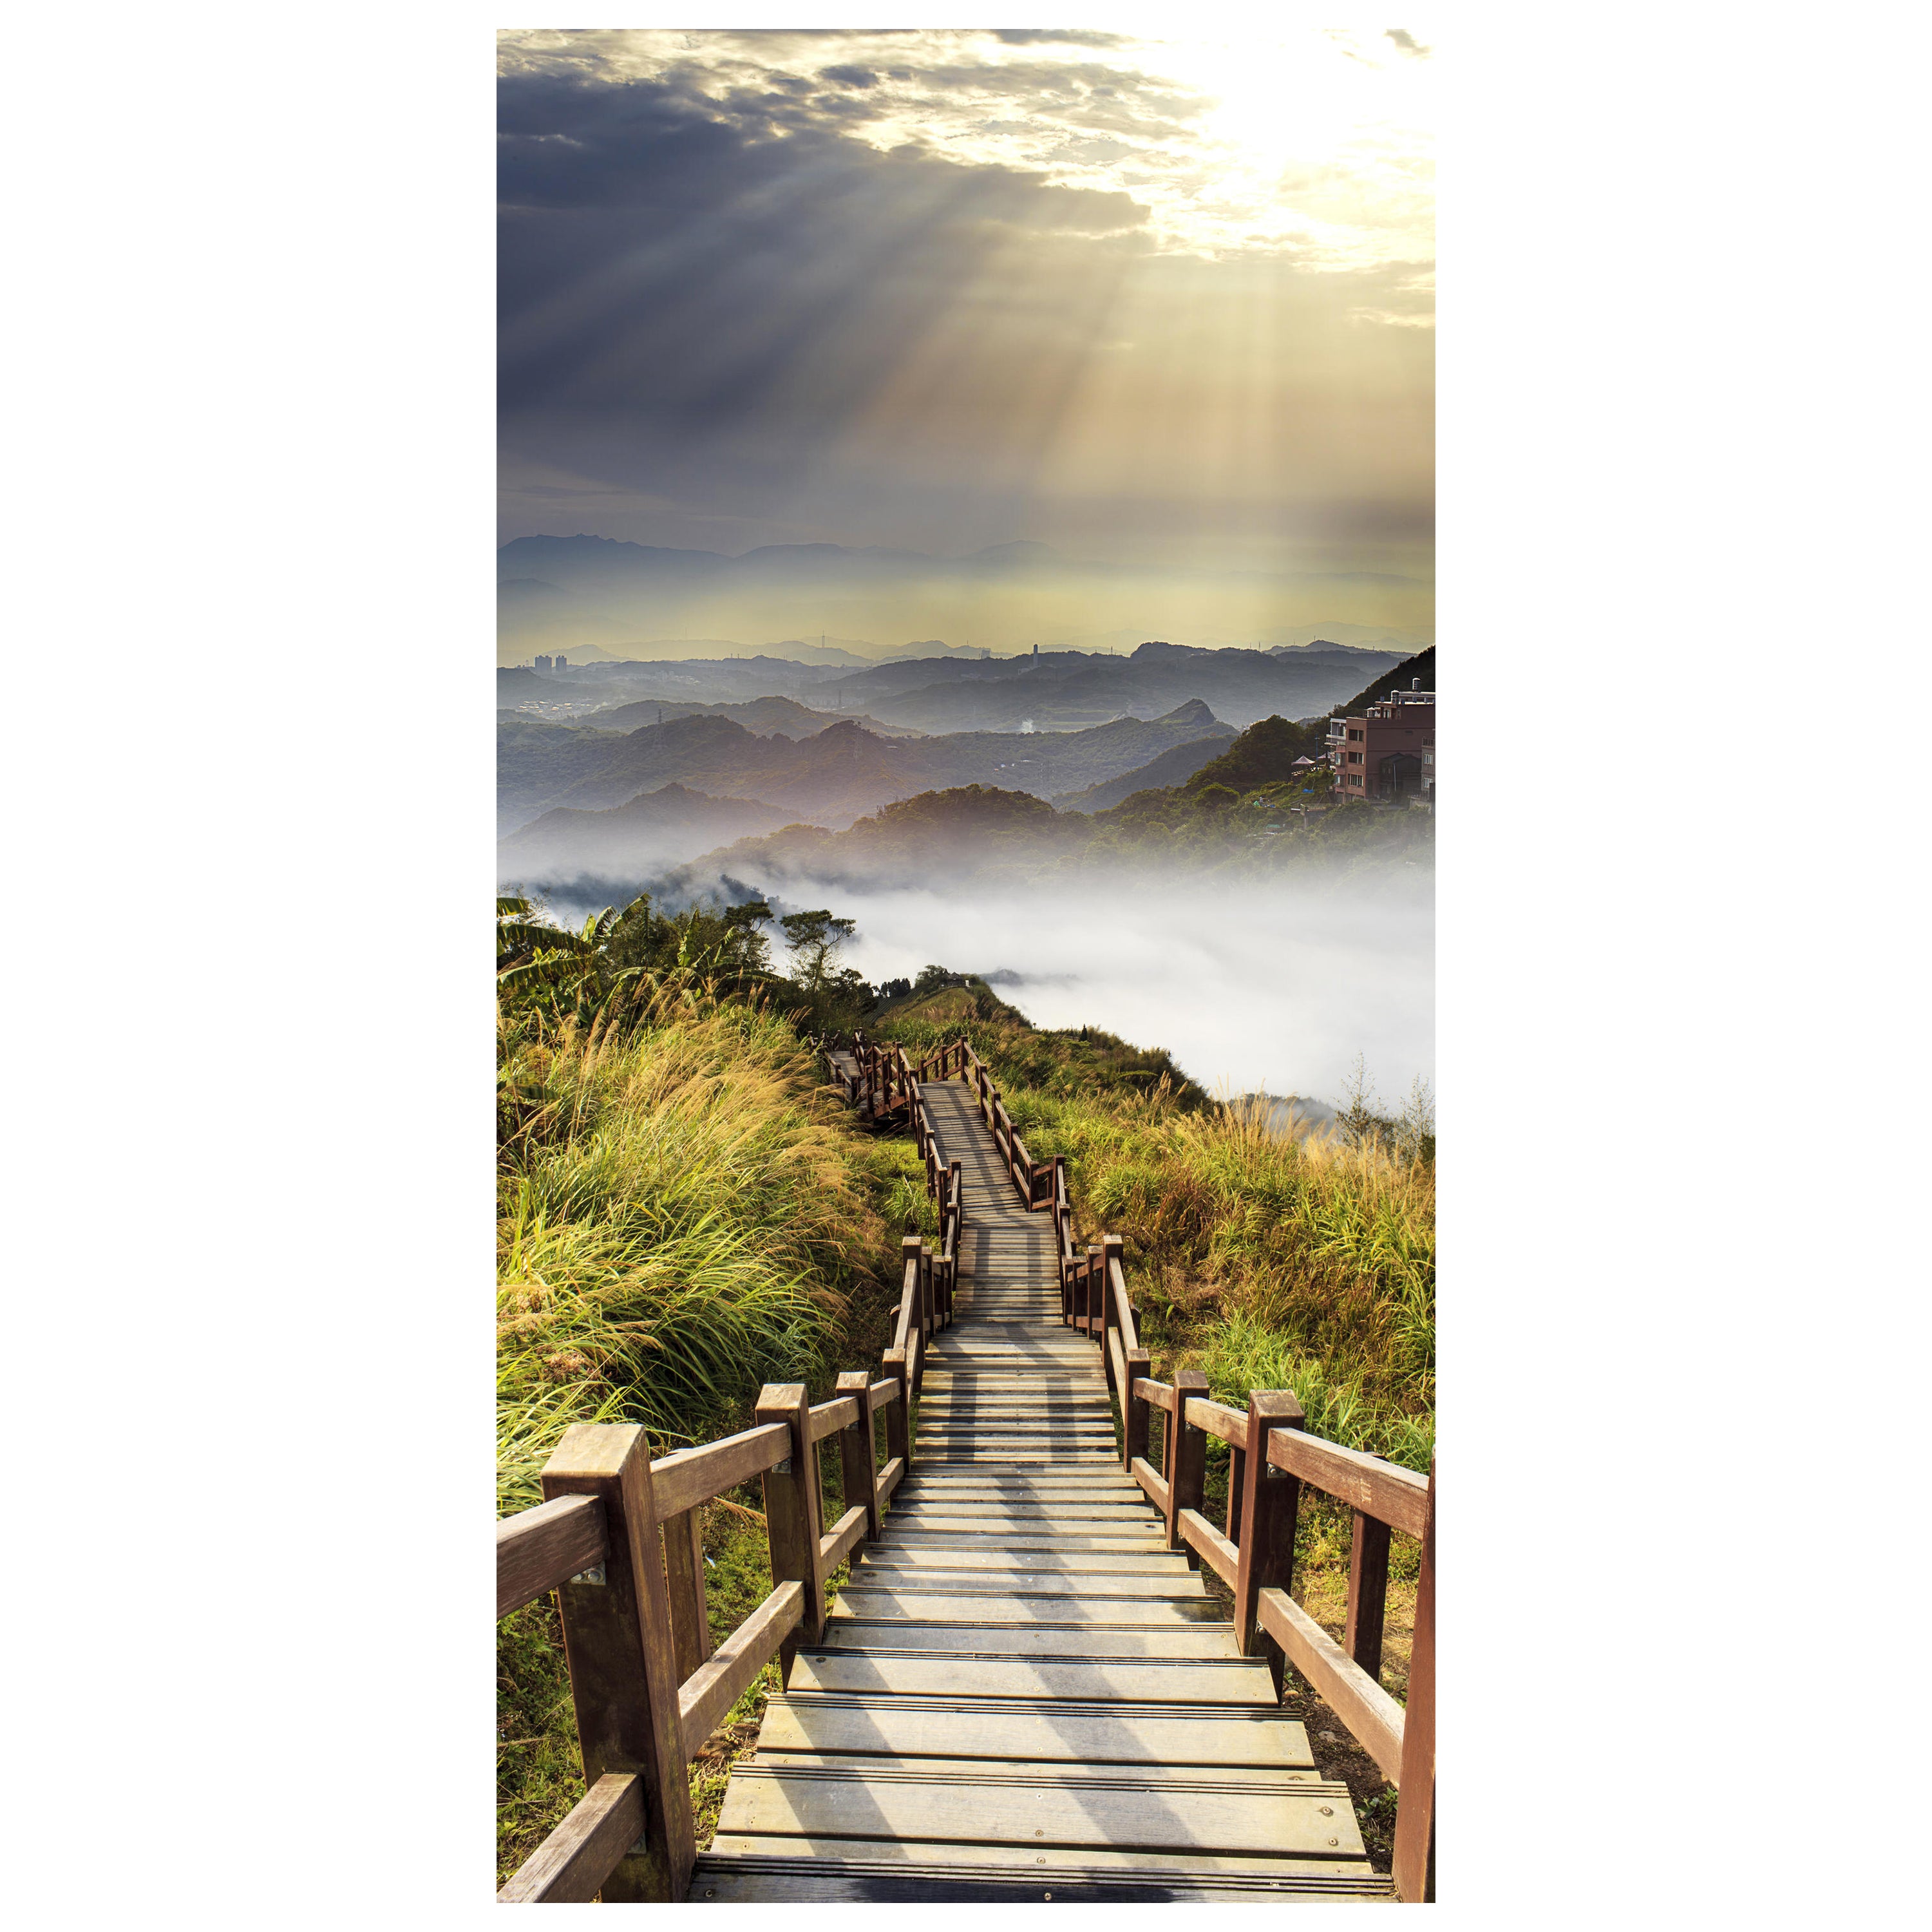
[{"x": 683, "y": 1216}]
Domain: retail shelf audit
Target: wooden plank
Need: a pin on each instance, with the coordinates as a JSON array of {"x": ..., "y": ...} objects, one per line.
[
  {"x": 838, "y": 1541},
  {"x": 1374, "y": 1718},
  {"x": 618, "y": 1646},
  {"x": 1127, "y": 1808},
  {"x": 1080, "y": 1734},
  {"x": 1152, "y": 1481},
  {"x": 889, "y": 1479},
  {"x": 954, "y": 1859},
  {"x": 1217, "y": 1419},
  {"x": 538, "y": 1549},
  {"x": 571, "y": 1865},
  {"x": 713, "y": 1689},
  {"x": 1368, "y": 1592},
  {"x": 684, "y": 1576},
  {"x": 682, "y": 1480},
  {"x": 858, "y": 1452},
  {"x": 1186, "y": 1454},
  {"x": 994, "y": 1585},
  {"x": 960, "y": 1542},
  {"x": 884, "y": 1392},
  {"x": 1215, "y": 1551},
  {"x": 1414, "y": 1863},
  {"x": 829, "y": 1418},
  {"x": 1071, "y": 1877},
  {"x": 791, "y": 1512},
  {"x": 1160, "y": 1395},
  {"x": 1397, "y": 1496},
  {"x": 1074, "y": 1642},
  {"x": 1269, "y": 1506},
  {"x": 1142, "y": 1680},
  {"x": 874, "y": 1606}
]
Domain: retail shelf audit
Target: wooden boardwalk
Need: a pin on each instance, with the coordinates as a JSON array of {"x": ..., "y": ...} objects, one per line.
[{"x": 1023, "y": 1692}]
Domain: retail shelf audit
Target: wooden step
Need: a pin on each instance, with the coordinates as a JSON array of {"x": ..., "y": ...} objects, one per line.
[
  {"x": 1095, "y": 1807},
  {"x": 743, "y": 1869},
  {"x": 1120, "y": 1733},
  {"x": 981, "y": 1582},
  {"x": 1143, "y": 1680},
  {"x": 876, "y": 1607},
  {"x": 1075, "y": 1643}
]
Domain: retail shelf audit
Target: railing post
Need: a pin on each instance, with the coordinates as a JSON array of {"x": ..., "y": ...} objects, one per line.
[
  {"x": 1270, "y": 1505},
  {"x": 1134, "y": 1409},
  {"x": 899, "y": 1417},
  {"x": 623, "y": 1669},
  {"x": 792, "y": 1527},
  {"x": 1097, "y": 1288},
  {"x": 912, "y": 1255},
  {"x": 858, "y": 1464},
  {"x": 684, "y": 1571},
  {"x": 1187, "y": 1453},
  {"x": 1368, "y": 1592},
  {"x": 1107, "y": 1321},
  {"x": 1414, "y": 1863}
]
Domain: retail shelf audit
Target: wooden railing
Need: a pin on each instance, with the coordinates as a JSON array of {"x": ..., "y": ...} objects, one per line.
[
  {"x": 618, "y": 1537},
  {"x": 1270, "y": 1458}
]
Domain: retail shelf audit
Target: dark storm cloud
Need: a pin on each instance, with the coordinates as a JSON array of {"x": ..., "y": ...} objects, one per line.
[
  {"x": 661, "y": 257},
  {"x": 849, "y": 76}
]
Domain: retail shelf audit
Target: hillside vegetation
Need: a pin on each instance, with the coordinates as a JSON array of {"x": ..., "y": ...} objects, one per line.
[{"x": 683, "y": 1216}]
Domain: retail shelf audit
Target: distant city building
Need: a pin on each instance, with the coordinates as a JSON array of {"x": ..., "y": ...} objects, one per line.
[
  {"x": 562, "y": 662},
  {"x": 542, "y": 663},
  {"x": 1380, "y": 753}
]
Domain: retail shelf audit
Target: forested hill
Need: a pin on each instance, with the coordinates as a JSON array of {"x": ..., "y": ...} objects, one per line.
[{"x": 1422, "y": 665}]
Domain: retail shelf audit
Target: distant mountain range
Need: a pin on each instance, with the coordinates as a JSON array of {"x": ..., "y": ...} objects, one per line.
[
  {"x": 1067, "y": 689},
  {"x": 644, "y": 601},
  {"x": 765, "y": 716},
  {"x": 656, "y": 828},
  {"x": 831, "y": 778}
]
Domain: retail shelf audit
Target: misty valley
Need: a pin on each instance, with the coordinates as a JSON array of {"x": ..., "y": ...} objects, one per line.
[{"x": 1153, "y": 844}]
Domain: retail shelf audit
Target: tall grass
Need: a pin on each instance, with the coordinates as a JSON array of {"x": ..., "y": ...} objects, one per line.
[
  {"x": 1268, "y": 1261},
  {"x": 683, "y": 1216},
  {"x": 681, "y": 1219}
]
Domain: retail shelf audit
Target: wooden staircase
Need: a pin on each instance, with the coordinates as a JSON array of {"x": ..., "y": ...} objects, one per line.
[{"x": 1023, "y": 1690}]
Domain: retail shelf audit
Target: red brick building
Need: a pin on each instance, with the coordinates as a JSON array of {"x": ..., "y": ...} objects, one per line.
[{"x": 1380, "y": 753}]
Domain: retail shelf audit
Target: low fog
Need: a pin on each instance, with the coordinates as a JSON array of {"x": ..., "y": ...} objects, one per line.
[
  {"x": 1275, "y": 989},
  {"x": 1272, "y": 986}
]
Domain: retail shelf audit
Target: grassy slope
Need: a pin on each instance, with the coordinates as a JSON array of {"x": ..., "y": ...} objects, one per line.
[{"x": 682, "y": 1218}]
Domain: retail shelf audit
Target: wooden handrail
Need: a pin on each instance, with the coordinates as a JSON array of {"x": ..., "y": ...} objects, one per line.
[
  {"x": 1217, "y": 1551},
  {"x": 1386, "y": 1491},
  {"x": 884, "y": 1392},
  {"x": 538, "y": 1549},
  {"x": 572, "y": 1866},
  {"x": 689, "y": 1477},
  {"x": 705, "y": 1696},
  {"x": 829, "y": 1418},
  {"x": 1218, "y": 1419}
]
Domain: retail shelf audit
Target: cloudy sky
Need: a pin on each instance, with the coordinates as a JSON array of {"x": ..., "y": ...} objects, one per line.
[{"x": 1164, "y": 305}]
